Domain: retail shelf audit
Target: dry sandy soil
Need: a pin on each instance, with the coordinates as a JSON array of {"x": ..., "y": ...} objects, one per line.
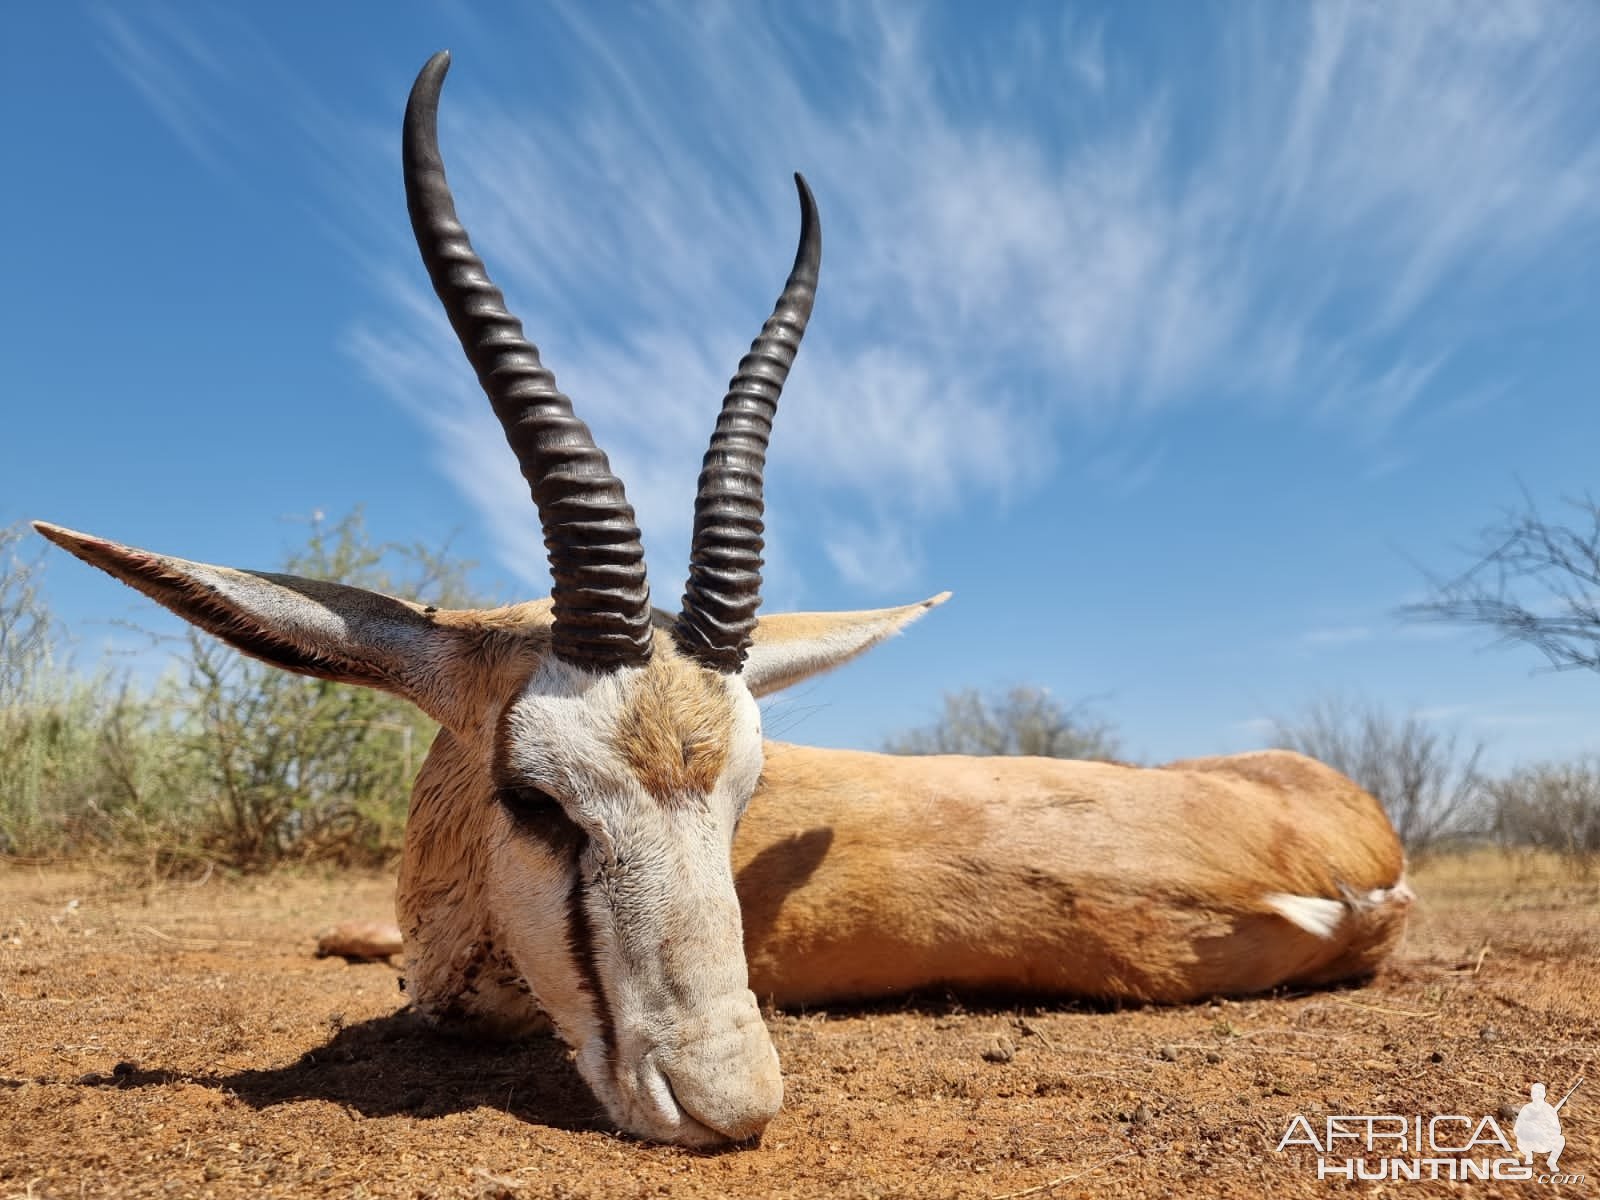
[{"x": 178, "y": 1040}]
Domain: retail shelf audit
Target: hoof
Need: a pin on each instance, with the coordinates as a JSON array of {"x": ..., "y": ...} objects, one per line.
[{"x": 359, "y": 941}]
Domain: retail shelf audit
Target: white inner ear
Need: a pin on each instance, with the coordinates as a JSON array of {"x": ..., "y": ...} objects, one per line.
[
  {"x": 770, "y": 669},
  {"x": 790, "y": 647}
]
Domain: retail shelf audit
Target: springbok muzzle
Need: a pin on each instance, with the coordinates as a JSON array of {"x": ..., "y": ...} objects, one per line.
[{"x": 714, "y": 1082}]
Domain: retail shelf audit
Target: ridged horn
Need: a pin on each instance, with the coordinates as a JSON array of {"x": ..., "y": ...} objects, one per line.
[
  {"x": 601, "y": 599},
  {"x": 724, "y": 589}
]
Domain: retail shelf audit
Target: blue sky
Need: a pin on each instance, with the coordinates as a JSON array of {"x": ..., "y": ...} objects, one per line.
[{"x": 1176, "y": 340}]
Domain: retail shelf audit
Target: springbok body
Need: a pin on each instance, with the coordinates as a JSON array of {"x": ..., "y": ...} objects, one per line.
[
  {"x": 571, "y": 848},
  {"x": 862, "y": 876},
  {"x": 1215, "y": 876}
]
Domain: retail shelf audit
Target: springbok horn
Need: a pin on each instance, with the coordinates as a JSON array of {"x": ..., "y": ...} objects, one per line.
[
  {"x": 724, "y": 589},
  {"x": 601, "y": 599}
]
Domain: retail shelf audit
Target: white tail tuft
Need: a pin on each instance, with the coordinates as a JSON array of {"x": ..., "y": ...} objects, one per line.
[
  {"x": 1400, "y": 893},
  {"x": 1311, "y": 913}
]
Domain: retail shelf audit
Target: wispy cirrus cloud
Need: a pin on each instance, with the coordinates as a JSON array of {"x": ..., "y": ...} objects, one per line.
[
  {"x": 171, "y": 69},
  {"x": 1455, "y": 140},
  {"x": 1031, "y": 234}
]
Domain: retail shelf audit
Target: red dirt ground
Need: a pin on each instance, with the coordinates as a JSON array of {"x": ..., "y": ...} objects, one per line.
[{"x": 178, "y": 1040}]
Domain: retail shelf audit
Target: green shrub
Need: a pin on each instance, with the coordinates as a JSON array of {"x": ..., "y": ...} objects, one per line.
[{"x": 226, "y": 759}]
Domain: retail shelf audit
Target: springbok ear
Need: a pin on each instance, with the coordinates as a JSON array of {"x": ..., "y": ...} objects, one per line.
[
  {"x": 302, "y": 625},
  {"x": 789, "y": 647}
]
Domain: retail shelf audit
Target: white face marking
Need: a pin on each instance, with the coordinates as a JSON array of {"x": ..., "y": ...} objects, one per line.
[{"x": 619, "y": 908}]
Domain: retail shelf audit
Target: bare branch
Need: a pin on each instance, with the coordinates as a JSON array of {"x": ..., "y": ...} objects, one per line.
[
  {"x": 1550, "y": 806},
  {"x": 1535, "y": 582},
  {"x": 25, "y": 623},
  {"x": 1427, "y": 778}
]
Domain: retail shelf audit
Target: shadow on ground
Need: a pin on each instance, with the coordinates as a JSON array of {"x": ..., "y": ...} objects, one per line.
[
  {"x": 946, "y": 1002},
  {"x": 397, "y": 1065}
]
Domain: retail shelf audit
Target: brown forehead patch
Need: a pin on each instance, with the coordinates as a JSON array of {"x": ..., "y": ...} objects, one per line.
[{"x": 675, "y": 733}]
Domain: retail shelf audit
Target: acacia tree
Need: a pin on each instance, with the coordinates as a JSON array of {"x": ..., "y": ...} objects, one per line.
[
  {"x": 1426, "y": 777},
  {"x": 1022, "y": 720},
  {"x": 1535, "y": 581}
]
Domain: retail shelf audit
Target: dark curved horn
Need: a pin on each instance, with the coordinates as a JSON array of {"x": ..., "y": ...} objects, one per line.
[
  {"x": 601, "y": 600},
  {"x": 724, "y": 590}
]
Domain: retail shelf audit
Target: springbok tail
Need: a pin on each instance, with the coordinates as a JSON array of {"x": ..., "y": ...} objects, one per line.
[{"x": 1322, "y": 917}]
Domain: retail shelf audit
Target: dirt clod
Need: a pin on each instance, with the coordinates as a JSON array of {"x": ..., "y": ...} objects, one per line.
[{"x": 999, "y": 1050}]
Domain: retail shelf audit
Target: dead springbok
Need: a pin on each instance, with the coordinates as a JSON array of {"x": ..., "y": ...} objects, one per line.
[{"x": 572, "y": 848}]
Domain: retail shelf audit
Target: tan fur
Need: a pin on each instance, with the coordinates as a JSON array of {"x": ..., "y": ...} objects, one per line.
[
  {"x": 456, "y": 969},
  {"x": 675, "y": 734},
  {"x": 859, "y": 875},
  {"x": 359, "y": 941},
  {"x": 867, "y": 875},
  {"x": 863, "y": 876}
]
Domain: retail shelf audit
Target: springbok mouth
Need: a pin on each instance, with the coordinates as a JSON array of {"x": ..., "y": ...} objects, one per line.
[{"x": 714, "y": 1140}]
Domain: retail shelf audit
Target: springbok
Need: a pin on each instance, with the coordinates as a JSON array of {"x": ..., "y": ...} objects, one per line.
[{"x": 600, "y": 836}]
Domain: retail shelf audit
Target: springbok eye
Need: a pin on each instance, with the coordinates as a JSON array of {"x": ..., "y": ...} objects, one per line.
[
  {"x": 539, "y": 816},
  {"x": 528, "y": 803}
]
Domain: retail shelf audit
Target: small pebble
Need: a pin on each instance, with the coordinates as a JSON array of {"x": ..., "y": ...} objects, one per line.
[
  {"x": 1488, "y": 1034},
  {"x": 124, "y": 1068},
  {"x": 1141, "y": 1115},
  {"x": 1170, "y": 1053},
  {"x": 1213, "y": 1057}
]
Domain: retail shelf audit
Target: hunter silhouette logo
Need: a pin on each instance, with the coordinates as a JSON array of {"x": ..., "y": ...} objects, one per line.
[
  {"x": 1538, "y": 1128},
  {"x": 1451, "y": 1146}
]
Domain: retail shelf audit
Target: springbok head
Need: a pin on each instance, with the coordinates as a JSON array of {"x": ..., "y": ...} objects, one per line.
[{"x": 603, "y": 750}]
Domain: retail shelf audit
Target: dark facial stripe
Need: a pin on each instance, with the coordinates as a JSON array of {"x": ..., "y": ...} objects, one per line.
[
  {"x": 580, "y": 941},
  {"x": 540, "y": 817}
]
